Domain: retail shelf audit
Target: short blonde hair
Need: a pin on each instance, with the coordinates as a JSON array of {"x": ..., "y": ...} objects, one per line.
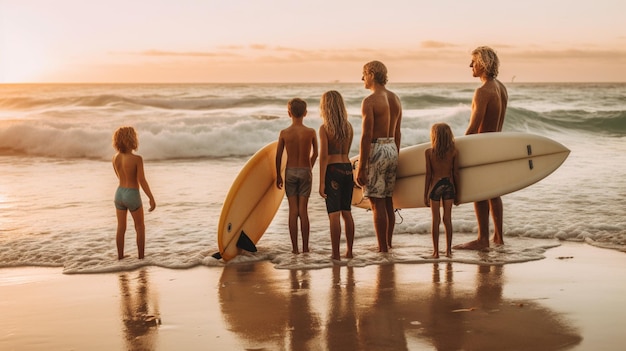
[
  {"x": 125, "y": 139},
  {"x": 488, "y": 59},
  {"x": 297, "y": 107},
  {"x": 379, "y": 71}
]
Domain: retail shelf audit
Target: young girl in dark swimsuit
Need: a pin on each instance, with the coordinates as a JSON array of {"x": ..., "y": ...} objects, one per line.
[
  {"x": 442, "y": 173},
  {"x": 336, "y": 180}
]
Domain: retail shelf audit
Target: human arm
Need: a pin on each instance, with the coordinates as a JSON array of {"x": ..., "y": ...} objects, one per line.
[
  {"x": 279, "y": 161},
  {"x": 479, "y": 110},
  {"x": 455, "y": 176},
  {"x": 323, "y": 160},
  {"x": 397, "y": 132},
  {"x": 428, "y": 178},
  {"x": 314, "y": 151},
  {"x": 141, "y": 178},
  {"x": 115, "y": 167},
  {"x": 367, "y": 112}
]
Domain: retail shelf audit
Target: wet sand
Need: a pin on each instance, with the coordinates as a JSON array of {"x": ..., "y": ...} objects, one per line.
[{"x": 571, "y": 300}]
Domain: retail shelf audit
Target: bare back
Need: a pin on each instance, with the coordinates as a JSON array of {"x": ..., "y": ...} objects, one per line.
[
  {"x": 442, "y": 167},
  {"x": 333, "y": 150},
  {"x": 488, "y": 108},
  {"x": 386, "y": 111},
  {"x": 129, "y": 169},
  {"x": 299, "y": 141}
]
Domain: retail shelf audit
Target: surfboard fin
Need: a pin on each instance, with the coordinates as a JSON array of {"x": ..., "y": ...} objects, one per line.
[
  {"x": 217, "y": 256},
  {"x": 245, "y": 243}
]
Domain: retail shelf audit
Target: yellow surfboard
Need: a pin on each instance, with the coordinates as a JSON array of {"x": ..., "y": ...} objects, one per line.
[
  {"x": 251, "y": 204},
  {"x": 491, "y": 165}
]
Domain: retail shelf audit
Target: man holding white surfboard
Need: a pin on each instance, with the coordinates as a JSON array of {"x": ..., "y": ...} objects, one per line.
[
  {"x": 488, "y": 111},
  {"x": 380, "y": 143}
]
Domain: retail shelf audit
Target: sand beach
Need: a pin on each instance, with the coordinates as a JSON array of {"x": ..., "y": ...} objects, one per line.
[
  {"x": 557, "y": 284},
  {"x": 571, "y": 300}
]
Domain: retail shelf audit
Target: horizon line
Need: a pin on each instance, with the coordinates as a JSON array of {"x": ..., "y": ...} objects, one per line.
[{"x": 310, "y": 82}]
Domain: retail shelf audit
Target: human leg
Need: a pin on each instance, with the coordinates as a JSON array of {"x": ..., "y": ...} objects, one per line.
[
  {"x": 140, "y": 228},
  {"x": 497, "y": 214},
  {"x": 482, "y": 215},
  {"x": 380, "y": 222},
  {"x": 335, "y": 233},
  {"x": 293, "y": 222},
  {"x": 447, "y": 223},
  {"x": 434, "y": 228},
  {"x": 303, "y": 214},
  {"x": 391, "y": 220},
  {"x": 121, "y": 231},
  {"x": 349, "y": 228}
]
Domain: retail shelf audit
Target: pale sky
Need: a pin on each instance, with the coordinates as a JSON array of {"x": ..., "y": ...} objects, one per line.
[{"x": 308, "y": 40}]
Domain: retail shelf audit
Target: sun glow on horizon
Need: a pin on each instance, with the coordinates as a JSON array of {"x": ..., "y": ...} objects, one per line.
[{"x": 74, "y": 41}]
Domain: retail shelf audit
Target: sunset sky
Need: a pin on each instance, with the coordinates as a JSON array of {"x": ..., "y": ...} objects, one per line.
[{"x": 308, "y": 40}]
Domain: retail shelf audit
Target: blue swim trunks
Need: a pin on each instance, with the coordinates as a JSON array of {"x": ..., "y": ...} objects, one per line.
[{"x": 127, "y": 199}]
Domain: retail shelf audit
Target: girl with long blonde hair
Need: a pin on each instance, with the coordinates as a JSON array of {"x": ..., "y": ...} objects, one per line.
[
  {"x": 441, "y": 184},
  {"x": 336, "y": 180}
]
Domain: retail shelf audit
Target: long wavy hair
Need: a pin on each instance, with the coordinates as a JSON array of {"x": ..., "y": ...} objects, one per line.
[
  {"x": 335, "y": 116},
  {"x": 441, "y": 139}
]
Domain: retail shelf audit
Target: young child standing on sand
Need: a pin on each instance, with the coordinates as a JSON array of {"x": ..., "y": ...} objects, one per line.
[
  {"x": 336, "y": 180},
  {"x": 442, "y": 174},
  {"x": 129, "y": 170},
  {"x": 300, "y": 142}
]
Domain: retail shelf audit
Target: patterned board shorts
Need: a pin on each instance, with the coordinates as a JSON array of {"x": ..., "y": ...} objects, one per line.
[{"x": 383, "y": 165}]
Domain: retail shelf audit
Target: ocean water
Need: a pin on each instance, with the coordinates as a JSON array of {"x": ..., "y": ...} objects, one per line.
[{"x": 57, "y": 182}]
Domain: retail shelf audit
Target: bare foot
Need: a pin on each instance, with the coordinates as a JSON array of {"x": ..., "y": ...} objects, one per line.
[
  {"x": 338, "y": 262},
  {"x": 305, "y": 250},
  {"x": 295, "y": 252},
  {"x": 121, "y": 257},
  {"x": 472, "y": 245},
  {"x": 498, "y": 242},
  {"x": 435, "y": 254},
  {"x": 349, "y": 254},
  {"x": 449, "y": 253}
]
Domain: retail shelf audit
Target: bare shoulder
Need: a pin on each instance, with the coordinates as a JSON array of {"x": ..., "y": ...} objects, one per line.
[
  {"x": 369, "y": 100},
  {"x": 393, "y": 96},
  {"x": 486, "y": 92},
  {"x": 502, "y": 88},
  {"x": 135, "y": 159}
]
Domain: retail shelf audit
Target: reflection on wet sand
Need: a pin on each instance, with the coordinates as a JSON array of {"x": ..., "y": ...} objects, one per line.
[
  {"x": 479, "y": 318},
  {"x": 443, "y": 328},
  {"x": 386, "y": 308},
  {"x": 139, "y": 310},
  {"x": 259, "y": 315},
  {"x": 304, "y": 324},
  {"x": 341, "y": 325},
  {"x": 380, "y": 327}
]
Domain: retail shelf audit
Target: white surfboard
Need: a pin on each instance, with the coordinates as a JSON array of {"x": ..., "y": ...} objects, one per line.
[
  {"x": 250, "y": 205},
  {"x": 491, "y": 165}
]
